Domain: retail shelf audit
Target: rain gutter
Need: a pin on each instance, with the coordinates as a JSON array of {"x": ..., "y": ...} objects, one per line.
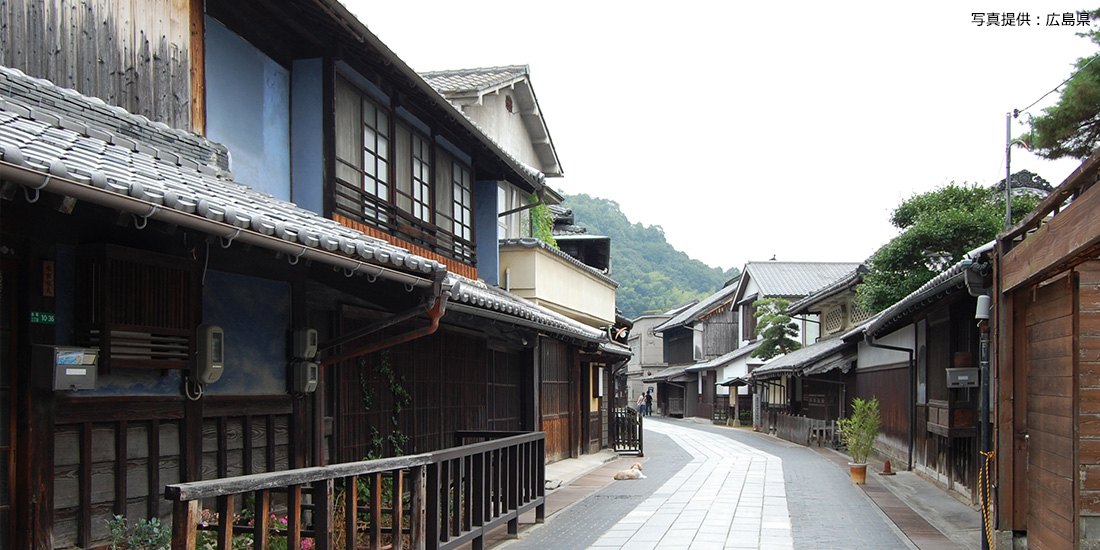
[
  {"x": 34, "y": 180},
  {"x": 434, "y": 314}
]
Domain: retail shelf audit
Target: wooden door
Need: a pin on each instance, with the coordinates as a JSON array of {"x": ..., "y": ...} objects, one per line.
[
  {"x": 1046, "y": 362},
  {"x": 556, "y": 399}
]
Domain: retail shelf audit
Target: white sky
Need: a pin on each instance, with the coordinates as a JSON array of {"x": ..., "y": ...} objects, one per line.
[{"x": 748, "y": 130}]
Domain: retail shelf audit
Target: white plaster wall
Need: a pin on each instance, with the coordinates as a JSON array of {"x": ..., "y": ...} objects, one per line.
[
  {"x": 873, "y": 357},
  {"x": 506, "y": 128},
  {"x": 558, "y": 284}
]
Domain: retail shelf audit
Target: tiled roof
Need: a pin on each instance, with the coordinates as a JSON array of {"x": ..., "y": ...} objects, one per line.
[
  {"x": 670, "y": 373},
  {"x": 470, "y": 85},
  {"x": 795, "y": 278},
  {"x": 726, "y": 358},
  {"x": 828, "y": 291},
  {"x": 948, "y": 281},
  {"x": 75, "y": 142},
  {"x": 507, "y": 306},
  {"x": 795, "y": 361},
  {"x": 474, "y": 80},
  {"x": 528, "y": 242},
  {"x": 705, "y": 306}
]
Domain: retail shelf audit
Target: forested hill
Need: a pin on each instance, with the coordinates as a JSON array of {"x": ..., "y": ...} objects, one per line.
[{"x": 652, "y": 275}]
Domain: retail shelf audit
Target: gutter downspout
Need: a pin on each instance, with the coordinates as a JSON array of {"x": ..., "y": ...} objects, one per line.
[
  {"x": 912, "y": 401},
  {"x": 434, "y": 314}
]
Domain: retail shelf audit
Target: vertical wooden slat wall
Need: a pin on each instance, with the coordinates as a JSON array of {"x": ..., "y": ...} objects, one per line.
[
  {"x": 133, "y": 54},
  {"x": 1050, "y": 413}
]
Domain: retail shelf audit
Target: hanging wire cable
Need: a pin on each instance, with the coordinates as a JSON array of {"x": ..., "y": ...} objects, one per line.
[{"x": 1016, "y": 112}]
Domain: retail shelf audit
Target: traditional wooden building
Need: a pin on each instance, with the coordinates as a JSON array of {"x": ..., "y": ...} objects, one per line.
[
  {"x": 704, "y": 331},
  {"x": 919, "y": 357},
  {"x": 1046, "y": 325},
  {"x": 264, "y": 226},
  {"x": 810, "y": 381}
]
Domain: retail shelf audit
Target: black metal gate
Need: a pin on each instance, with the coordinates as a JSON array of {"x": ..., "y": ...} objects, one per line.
[{"x": 627, "y": 431}]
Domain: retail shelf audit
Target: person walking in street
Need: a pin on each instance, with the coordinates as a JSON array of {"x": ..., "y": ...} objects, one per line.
[
  {"x": 648, "y": 403},
  {"x": 641, "y": 403}
]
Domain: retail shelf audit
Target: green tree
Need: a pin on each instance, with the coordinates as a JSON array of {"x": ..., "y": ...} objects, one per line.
[
  {"x": 775, "y": 328},
  {"x": 938, "y": 228},
  {"x": 1071, "y": 127}
]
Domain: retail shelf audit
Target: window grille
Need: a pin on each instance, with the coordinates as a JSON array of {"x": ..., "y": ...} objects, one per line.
[
  {"x": 833, "y": 320},
  {"x": 137, "y": 307}
]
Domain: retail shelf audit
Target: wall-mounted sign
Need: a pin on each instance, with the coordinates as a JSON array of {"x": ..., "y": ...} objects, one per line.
[
  {"x": 48, "y": 279},
  {"x": 43, "y": 317}
]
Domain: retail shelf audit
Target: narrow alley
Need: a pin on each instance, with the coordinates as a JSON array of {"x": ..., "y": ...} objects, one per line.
[{"x": 717, "y": 487}]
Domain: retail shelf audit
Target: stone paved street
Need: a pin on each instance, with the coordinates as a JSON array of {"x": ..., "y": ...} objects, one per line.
[{"x": 715, "y": 487}]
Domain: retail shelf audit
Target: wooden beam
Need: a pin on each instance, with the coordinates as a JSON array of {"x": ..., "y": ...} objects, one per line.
[
  {"x": 1071, "y": 237},
  {"x": 1084, "y": 174},
  {"x": 198, "y": 68}
]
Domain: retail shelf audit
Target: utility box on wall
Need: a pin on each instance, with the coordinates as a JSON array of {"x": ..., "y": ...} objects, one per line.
[{"x": 61, "y": 368}]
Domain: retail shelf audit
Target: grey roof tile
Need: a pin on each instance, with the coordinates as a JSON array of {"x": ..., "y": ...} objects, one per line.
[
  {"x": 126, "y": 167},
  {"x": 479, "y": 295},
  {"x": 474, "y": 80},
  {"x": 703, "y": 307},
  {"x": 795, "y": 278}
]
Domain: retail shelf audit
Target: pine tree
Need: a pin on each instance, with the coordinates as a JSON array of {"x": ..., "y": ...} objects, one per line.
[
  {"x": 1071, "y": 128},
  {"x": 775, "y": 328}
]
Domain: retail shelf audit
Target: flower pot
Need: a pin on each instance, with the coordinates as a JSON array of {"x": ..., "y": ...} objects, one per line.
[{"x": 858, "y": 472}]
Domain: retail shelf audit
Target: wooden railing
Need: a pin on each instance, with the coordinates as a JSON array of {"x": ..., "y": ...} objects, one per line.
[
  {"x": 802, "y": 430},
  {"x": 431, "y": 501}
]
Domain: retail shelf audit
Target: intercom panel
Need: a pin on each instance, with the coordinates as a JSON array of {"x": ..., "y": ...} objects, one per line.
[{"x": 210, "y": 360}]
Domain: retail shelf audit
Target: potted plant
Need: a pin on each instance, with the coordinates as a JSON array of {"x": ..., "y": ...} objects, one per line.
[{"x": 859, "y": 432}]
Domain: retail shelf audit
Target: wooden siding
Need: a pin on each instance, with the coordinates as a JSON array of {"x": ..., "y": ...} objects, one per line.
[
  {"x": 719, "y": 333},
  {"x": 115, "y": 457},
  {"x": 891, "y": 387},
  {"x": 1050, "y": 414},
  {"x": 1088, "y": 377},
  {"x": 136, "y": 55}
]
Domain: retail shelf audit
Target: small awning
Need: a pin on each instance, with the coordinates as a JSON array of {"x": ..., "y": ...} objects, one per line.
[{"x": 735, "y": 381}]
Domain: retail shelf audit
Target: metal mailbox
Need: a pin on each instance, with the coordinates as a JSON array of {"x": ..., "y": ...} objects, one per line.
[
  {"x": 61, "y": 368},
  {"x": 962, "y": 378}
]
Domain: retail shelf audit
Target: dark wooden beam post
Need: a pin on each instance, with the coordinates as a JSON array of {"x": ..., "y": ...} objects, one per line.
[
  {"x": 225, "y": 522},
  {"x": 294, "y": 516},
  {"x": 323, "y": 514},
  {"x": 261, "y": 519},
  {"x": 185, "y": 520},
  {"x": 419, "y": 509},
  {"x": 398, "y": 514},
  {"x": 376, "y": 510}
]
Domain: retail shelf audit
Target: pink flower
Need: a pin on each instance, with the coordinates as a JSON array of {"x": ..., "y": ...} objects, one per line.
[{"x": 307, "y": 544}]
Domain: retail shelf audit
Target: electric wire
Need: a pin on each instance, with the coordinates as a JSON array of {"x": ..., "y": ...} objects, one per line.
[{"x": 1075, "y": 73}]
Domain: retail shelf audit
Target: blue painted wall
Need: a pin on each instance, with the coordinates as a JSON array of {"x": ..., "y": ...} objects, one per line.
[
  {"x": 256, "y": 317},
  {"x": 485, "y": 228},
  {"x": 307, "y": 135},
  {"x": 248, "y": 110}
]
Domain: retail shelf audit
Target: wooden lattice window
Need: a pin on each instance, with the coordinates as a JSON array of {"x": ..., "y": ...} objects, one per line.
[
  {"x": 858, "y": 314},
  {"x": 833, "y": 320},
  {"x": 137, "y": 307}
]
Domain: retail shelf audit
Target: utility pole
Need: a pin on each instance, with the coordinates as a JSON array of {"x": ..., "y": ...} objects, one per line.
[{"x": 1008, "y": 169}]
